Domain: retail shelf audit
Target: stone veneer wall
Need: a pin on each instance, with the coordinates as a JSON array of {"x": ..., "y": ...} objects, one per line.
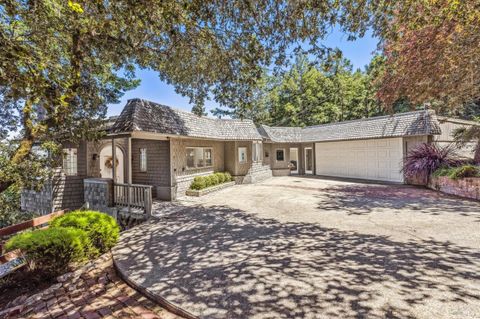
[
  {"x": 98, "y": 193},
  {"x": 39, "y": 202},
  {"x": 465, "y": 187},
  {"x": 62, "y": 192}
]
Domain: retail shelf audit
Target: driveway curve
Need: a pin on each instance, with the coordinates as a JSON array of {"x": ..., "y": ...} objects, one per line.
[{"x": 311, "y": 248}]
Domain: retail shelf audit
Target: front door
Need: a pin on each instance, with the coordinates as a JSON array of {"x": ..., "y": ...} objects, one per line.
[
  {"x": 308, "y": 160},
  {"x": 106, "y": 163},
  {"x": 294, "y": 160}
]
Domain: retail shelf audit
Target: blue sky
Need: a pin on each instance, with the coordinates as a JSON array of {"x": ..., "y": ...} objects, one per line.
[{"x": 359, "y": 52}]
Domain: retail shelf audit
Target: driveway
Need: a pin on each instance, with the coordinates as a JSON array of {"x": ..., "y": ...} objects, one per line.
[{"x": 294, "y": 247}]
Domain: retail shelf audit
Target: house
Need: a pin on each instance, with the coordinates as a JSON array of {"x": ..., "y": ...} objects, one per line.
[{"x": 165, "y": 148}]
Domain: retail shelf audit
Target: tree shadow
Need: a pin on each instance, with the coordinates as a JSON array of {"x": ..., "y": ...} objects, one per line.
[
  {"x": 219, "y": 262},
  {"x": 360, "y": 199}
]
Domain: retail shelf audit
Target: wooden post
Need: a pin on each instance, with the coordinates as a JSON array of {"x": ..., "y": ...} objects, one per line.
[
  {"x": 129, "y": 143},
  {"x": 114, "y": 160},
  {"x": 114, "y": 167},
  {"x": 129, "y": 171}
]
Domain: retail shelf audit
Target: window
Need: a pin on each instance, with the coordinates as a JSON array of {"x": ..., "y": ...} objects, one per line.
[
  {"x": 280, "y": 155},
  {"x": 198, "y": 157},
  {"x": 143, "y": 159},
  {"x": 242, "y": 154},
  {"x": 257, "y": 151},
  {"x": 70, "y": 161}
]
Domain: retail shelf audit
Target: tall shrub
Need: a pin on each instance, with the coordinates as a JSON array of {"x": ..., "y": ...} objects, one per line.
[{"x": 425, "y": 159}]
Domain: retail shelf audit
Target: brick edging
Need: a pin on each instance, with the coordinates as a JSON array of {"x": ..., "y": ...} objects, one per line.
[{"x": 152, "y": 296}]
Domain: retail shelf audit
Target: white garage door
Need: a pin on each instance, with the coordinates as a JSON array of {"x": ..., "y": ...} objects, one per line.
[{"x": 376, "y": 159}]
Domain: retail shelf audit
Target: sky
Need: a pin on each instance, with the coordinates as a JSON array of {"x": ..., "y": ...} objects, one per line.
[{"x": 359, "y": 52}]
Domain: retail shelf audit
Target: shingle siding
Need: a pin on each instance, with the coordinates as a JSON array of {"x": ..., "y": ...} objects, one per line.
[{"x": 158, "y": 163}]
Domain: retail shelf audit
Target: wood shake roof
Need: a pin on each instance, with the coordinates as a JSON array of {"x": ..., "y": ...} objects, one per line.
[{"x": 146, "y": 116}]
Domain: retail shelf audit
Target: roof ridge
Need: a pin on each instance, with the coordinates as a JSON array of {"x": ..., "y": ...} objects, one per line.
[
  {"x": 187, "y": 112},
  {"x": 373, "y": 118}
]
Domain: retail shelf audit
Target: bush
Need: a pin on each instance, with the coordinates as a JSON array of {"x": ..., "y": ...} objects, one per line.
[
  {"x": 464, "y": 171},
  {"x": 214, "y": 179},
  {"x": 51, "y": 251},
  {"x": 198, "y": 183},
  {"x": 443, "y": 171},
  {"x": 201, "y": 182},
  {"x": 458, "y": 172},
  {"x": 425, "y": 159},
  {"x": 101, "y": 228},
  {"x": 220, "y": 177}
]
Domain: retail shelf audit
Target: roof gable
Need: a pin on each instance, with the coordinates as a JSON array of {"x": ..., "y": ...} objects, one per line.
[{"x": 146, "y": 116}]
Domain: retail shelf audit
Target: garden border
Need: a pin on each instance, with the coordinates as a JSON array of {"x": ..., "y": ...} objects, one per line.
[{"x": 205, "y": 191}]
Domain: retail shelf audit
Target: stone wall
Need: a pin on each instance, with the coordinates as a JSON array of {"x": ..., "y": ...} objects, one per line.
[
  {"x": 62, "y": 192},
  {"x": 98, "y": 193},
  {"x": 465, "y": 187},
  {"x": 37, "y": 201}
]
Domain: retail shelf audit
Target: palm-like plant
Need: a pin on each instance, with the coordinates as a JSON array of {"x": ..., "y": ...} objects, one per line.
[{"x": 465, "y": 135}]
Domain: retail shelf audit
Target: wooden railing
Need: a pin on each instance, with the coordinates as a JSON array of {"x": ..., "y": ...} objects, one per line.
[
  {"x": 14, "y": 260},
  {"x": 133, "y": 196}
]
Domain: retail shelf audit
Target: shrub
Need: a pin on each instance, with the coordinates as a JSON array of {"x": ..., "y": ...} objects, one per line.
[
  {"x": 52, "y": 250},
  {"x": 101, "y": 228},
  {"x": 198, "y": 183},
  {"x": 220, "y": 177},
  {"x": 214, "y": 179},
  {"x": 201, "y": 182},
  {"x": 443, "y": 171},
  {"x": 458, "y": 172},
  {"x": 425, "y": 159},
  {"x": 464, "y": 171}
]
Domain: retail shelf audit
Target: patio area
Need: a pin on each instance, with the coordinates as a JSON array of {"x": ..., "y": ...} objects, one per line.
[{"x": 296, "y": 247}]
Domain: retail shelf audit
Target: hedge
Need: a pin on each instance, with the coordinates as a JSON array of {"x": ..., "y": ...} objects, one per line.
[
  {"x": 201, "y": 182},
  {"x": 101, "y": 228},
  {"x": 51, "y": 251}
]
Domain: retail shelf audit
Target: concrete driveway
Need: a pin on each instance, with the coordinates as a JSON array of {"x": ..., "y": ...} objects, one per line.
[{"x": 294, "y": 247}]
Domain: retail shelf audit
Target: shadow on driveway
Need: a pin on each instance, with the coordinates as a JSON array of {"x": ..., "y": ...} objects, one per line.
[{"x": 219, "y": 262}]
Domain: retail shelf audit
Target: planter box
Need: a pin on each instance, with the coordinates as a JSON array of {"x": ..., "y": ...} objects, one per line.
[
  {"x": 197, "y": 193},
  {"x": 466, "y": 187}
]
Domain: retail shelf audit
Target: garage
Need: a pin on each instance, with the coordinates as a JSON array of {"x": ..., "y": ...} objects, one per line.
[{"x": 373, "y": 159}]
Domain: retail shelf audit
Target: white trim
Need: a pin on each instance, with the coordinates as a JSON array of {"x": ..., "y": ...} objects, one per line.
[
  {"x": 290, "y": 159},
  {"x": 305, "y": 158},
  {"x": 284, "y": 157}
]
